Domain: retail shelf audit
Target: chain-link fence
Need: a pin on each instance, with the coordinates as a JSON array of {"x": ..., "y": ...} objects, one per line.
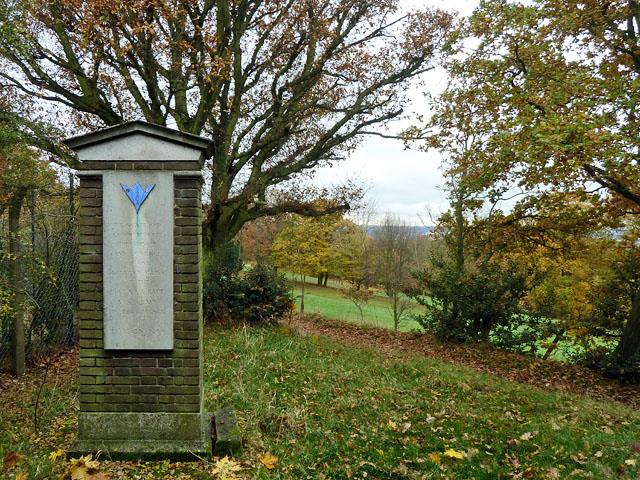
[{"x": 49, "y": 260}]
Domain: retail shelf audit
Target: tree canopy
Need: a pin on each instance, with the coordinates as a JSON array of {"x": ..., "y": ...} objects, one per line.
[{"x": 281, "y": 87}]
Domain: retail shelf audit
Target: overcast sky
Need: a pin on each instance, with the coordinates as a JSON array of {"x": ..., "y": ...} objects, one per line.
[{"x": 403, "y": 182}]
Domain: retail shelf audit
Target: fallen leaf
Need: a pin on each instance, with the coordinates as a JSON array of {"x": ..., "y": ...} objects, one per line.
[
  {"x": 392, "y": 425},
  {"x": 11, "y": 458},
  {"x": 553, "y": 473},
  {"x": 630, "y": 462},
  {"x": 53, "y": 456},
  {"x": 598, "y": 454},
  {"x": 434, "y": 457},
  {"x": 526, "y": 436},
  {"x": 405, "y": 427},
  {"x": 269, "y": 461},
  {"x": 22, "y": 476},
  {"x": 451, "y": 453},
  {"x": 225, "y": 469},
  {"x": 635, "y": 447}
]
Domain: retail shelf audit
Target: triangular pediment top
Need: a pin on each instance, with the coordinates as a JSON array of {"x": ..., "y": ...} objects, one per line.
[{"x": 139, "y": 140}]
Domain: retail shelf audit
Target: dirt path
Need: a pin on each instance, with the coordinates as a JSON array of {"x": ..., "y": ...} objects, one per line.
[{"x": 547, "y": 374}]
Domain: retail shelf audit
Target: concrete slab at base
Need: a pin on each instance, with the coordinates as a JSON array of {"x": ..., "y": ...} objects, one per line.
[
  {"x": 141, "y": 450},
  {"x": 144, "y": 435}
]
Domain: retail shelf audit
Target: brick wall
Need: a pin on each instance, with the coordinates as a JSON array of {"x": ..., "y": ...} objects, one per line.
[{"x": 142, "y": 381}]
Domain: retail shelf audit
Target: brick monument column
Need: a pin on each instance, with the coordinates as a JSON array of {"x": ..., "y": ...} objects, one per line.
[{"x": 140, "y": 313}]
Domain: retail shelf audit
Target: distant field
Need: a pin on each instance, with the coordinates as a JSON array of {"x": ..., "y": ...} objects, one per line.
[{"x": 328, "y": 301}]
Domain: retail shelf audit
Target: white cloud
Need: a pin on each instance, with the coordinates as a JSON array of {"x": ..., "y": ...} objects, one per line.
[{"x": 402, "y": 182}]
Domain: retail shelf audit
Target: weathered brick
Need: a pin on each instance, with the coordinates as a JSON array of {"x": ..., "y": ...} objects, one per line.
[
  {"x": 184, "y": 353},
  {"x": 186, "y": 335},
  {"x": 185, "y": 278},
  {"x": 90, "y": 277},
  {"x": 190, "y": 259},
  {"x": 123, "y": 362},
  {"x": 186, "y": 307},
  {"x": 91, "y": 202},
  {"x": 119, "y": 398},
  {"x": 191, "y": 317},
  {"x": 90, "y": 315},
  {"x": 188, "y": 240},
  {"x": 188, "y": 212},
  {"x": 90, "y": 296},
  {"x": 183, "y": 372},
  {"x": 147, "y": 389},
  {"x": 87, "y": 379},
  {"x": 118, "y": 380},
  {"x": 148, "y": 380},
  {"x": 91, "y": 343},
  {"x": 90, "y": 334},
  {"x": 186, "y": 297},
  {"x": 87, "y": 398},
  {"x": 90, "y": 258},
  {"x": 147, "y": 408},
  {"x": 91, "y": 353},
  {"x": 90, "y": 249},
  {"x": 186, "y": 221},
  {"x": 185, "y": 249},
  {"x": 187, "y": 193},
  {"x": 147, "y": 371},
  {"x": 183, "y": 408}
]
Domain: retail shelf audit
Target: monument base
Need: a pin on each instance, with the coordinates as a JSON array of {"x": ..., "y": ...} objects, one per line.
[{"x": 176, "y": 436}]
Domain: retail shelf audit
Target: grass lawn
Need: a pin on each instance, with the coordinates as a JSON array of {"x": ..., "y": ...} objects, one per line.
[
  {"x": 328, "y": 410},
  {"x": 328, "y": 302}
]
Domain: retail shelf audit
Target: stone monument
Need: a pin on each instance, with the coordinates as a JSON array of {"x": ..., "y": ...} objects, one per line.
[{"x": 140, "y": 313}]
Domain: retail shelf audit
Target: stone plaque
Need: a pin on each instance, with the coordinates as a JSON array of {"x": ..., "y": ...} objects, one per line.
[{"x": 138, "y": 260}]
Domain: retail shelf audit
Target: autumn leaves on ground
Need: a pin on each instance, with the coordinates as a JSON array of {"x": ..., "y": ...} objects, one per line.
[{"x": 317, "y": 407}]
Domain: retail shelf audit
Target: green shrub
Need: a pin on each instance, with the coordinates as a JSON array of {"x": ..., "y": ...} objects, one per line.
[
  {"x": 222, "y": 284},
  {"x": 265, "y": 296},
  {"x": 471, "y": 305},
  {"x": 256, "y": 296}
]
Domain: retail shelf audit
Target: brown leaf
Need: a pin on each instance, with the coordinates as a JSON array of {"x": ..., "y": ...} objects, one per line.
[
  {"x": 11, "y": 458},
  {"x": 635, "y": 447}
]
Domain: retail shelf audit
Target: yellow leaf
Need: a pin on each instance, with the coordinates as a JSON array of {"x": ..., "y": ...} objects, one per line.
[
  {"x": 53, "y": 456},
  {"x": 451, "y": 453},
  {"x": 269, "y": 461},
  {"x": 225, "y": 469},
  {"x": 434, "y": 457},
  {"x": 22, "y": 476},
  {"x": 392, "y": 425},
  {"x": 79, "y": 472},
  {"x": 526, "y": 436},
  {"x": 630, "y": 462}
]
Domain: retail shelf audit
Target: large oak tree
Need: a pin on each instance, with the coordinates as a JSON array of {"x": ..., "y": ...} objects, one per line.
[{"x": 281, "y": 86}]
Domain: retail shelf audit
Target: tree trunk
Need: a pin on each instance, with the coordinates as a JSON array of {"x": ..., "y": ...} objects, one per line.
[
  {"x": 459, "y": 235},
  {"x": 320, "y": 277},
  {"x": 630, "y": 341},
  {"x": 304, "y": 282},
  {"x": 16, "y": 281},
  {"x": 554, "y": 345},
  {"x": 325, "y": 280}
]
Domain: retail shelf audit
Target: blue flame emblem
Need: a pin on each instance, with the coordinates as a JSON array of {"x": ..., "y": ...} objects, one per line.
[{"x": 137, "y": 194}]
